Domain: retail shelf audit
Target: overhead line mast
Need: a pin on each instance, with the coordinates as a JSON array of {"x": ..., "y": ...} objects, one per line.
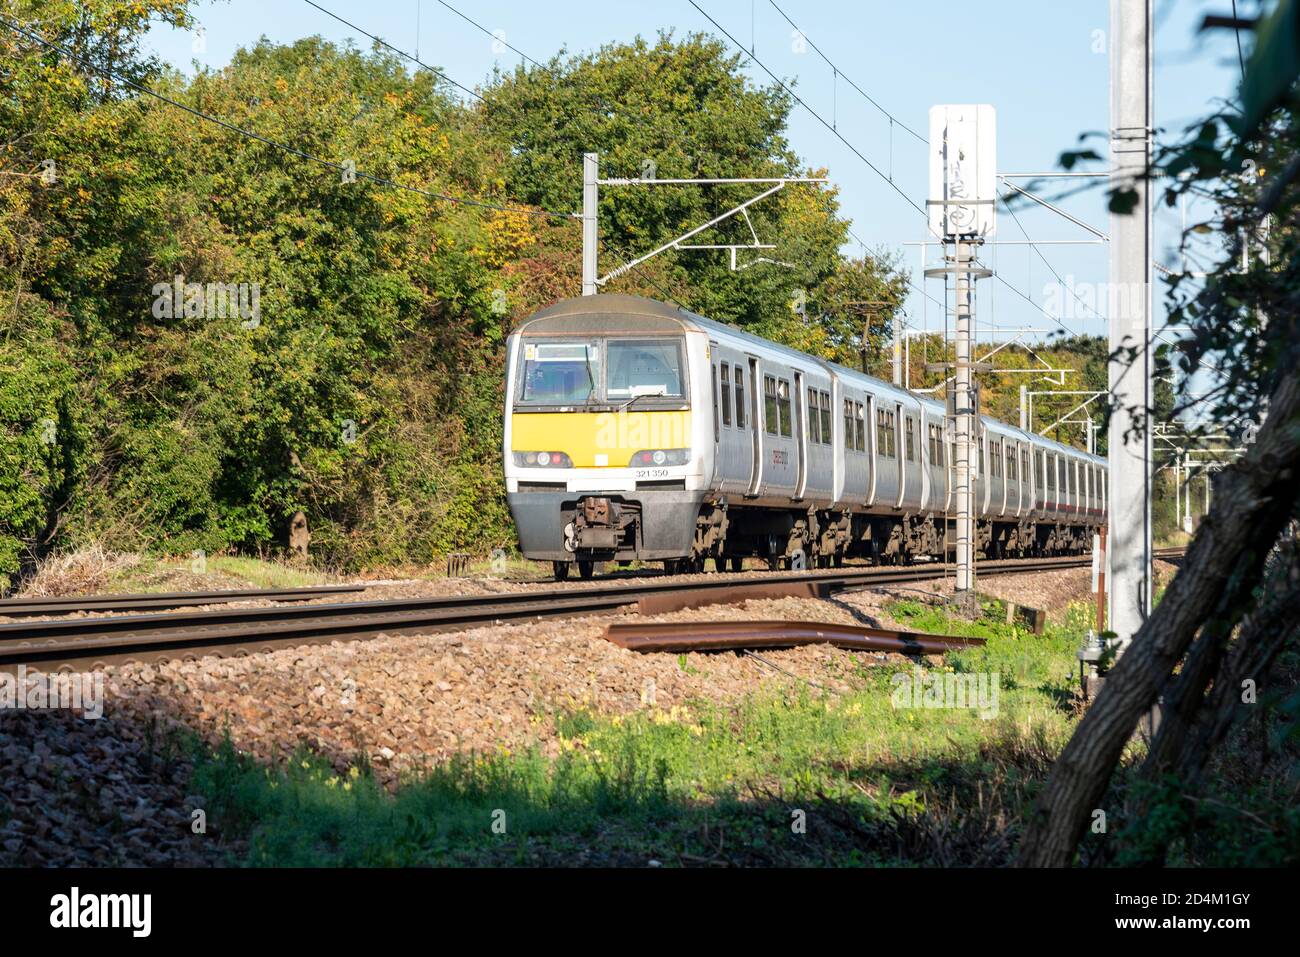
[{"x": 1129, "y": 437}]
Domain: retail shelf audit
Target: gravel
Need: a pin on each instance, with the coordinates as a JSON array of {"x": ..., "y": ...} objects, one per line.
[{"x": 113, "y": 791}]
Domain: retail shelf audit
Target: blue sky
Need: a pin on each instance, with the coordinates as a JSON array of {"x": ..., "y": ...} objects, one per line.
[{"x": 1041, "y": 63}]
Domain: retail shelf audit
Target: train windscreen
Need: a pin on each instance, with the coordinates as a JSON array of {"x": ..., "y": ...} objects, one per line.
[
  {"x": 644, "y": 367},
  {"x": 560, "y": 373}
]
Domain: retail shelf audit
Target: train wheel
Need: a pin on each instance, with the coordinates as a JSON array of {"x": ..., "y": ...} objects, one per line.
[
  {"x": 737, "y": 564},
  {"x": 561, "y": 570},
  {"x": 720, "y": 563},
  {"x": 773, "y": 563},
  {"x": 839, "y": 559},
  {"x": 586, "y": 569}
]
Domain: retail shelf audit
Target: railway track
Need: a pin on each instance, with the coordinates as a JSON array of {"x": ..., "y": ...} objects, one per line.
[
  {"x": 145, "y": 601},
  {"x": 88, "y": 643}
]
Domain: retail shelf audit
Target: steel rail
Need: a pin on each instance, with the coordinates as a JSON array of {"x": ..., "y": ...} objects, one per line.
[
  {"x": 65, "y": 604},
  {"x": 838, "y": 579},
  {"x": 685, "y": 636}
]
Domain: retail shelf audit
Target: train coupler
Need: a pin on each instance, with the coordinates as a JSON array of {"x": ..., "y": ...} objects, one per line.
[{"x": 601, "y": 525}]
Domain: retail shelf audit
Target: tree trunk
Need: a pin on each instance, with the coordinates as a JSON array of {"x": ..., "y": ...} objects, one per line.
[
  {"x": 1252, "y": 507},
  {"x": 1192, "y": 724}
]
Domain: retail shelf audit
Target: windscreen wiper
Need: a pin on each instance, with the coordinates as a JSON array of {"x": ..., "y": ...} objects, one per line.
[{"x": 642, "y": 395}]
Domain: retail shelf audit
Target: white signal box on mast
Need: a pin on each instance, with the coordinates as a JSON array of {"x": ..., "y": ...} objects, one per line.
[{"x": 963, "y": 165}]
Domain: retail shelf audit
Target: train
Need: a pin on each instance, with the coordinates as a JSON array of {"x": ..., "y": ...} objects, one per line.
[{"x": 637, "y": 430}]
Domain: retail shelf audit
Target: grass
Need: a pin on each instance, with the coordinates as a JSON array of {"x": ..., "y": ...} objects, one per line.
[
  {"x": 94, "y": 571},
  {"x": 260, "y": 573},
  {"x": 873, "y": 784}
]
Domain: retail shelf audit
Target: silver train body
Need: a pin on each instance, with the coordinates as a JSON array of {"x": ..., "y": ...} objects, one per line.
[{"x": 638, "y": 430}]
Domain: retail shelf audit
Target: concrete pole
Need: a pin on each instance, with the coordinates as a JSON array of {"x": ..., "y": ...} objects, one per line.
[
  {"x": 1187, "y": 499},
  {"x": 907, "y": 363},
  {"x": 964, "y": 409},
  {"x": 898, "y": 347},
  {"x": 1024, "y": 408},
  {"x": 1178, "y": 489},
  {"x": 1131, "y": 252},
  {"x": 590, "y": 236}
]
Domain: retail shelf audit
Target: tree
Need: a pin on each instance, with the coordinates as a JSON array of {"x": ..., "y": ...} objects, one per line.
[
  {"x": 683, "y": 109},
  {"x": 1232, "y": 607},
  {"x": 367, "y": 393}
]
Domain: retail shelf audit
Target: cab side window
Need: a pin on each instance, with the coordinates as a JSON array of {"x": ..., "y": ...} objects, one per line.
[
  {"x": 726, "y": 394},
  {"x": 740, "y": 398},
  {"x": 771, "y": 420}
]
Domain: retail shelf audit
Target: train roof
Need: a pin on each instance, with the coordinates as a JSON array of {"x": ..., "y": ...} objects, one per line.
[{"x": 574, "y": 317}]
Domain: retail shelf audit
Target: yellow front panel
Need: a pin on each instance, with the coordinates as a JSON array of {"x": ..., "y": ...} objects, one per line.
[{"x": 614, "y": 436}]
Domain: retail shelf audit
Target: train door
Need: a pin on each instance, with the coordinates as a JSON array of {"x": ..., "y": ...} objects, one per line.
[
  {"x": 981, "y": 471},
  {"x": 717, "y": 412},
  {"x": 1089, "y": 489},
  {"x": 1004, "y": 445},
  {"x": 922, "y": 456},
  {"x": 801, "y": 412},
  {"x": 949, "y": 464},
  {"x": 873, "y": 445},
  {"x": 1021, "y": 478},
  {"x": 755, "y": 427},
  {"x": 899, "y": 442},
  {"x": 732, "y": 457}
]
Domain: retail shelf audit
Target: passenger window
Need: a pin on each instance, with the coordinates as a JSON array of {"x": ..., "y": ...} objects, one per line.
[
  {"x": 911, "y": 446},
  {"x": 783, "y": 407},
  {"x": 814, "y": 428},
  {"x": 850, "y": 432},
  {"x": 740, "y": 398},
  {"x": 726, "y": 394},
  {"x": 828, "y": 433},
  {"x": 935, "y": 445},
  {"x": 769, "y": 405},
  {"x": 861, "y": 427}
]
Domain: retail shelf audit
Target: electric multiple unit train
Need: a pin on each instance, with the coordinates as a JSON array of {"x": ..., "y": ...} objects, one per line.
[{"x": 639, "y": 430}]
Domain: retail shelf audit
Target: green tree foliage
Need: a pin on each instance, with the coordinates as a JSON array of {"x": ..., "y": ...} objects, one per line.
[
  {"x": 683, "y": 110},
  {"x": 366, "y": 389}
]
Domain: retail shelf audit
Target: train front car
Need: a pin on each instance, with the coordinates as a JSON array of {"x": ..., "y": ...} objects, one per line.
[{"x": 603, "y": 458}]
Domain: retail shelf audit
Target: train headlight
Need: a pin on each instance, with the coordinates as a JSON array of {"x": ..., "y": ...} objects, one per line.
[
  {"x": 660, "y": 457},
  {"x": 543, "y": 460}
]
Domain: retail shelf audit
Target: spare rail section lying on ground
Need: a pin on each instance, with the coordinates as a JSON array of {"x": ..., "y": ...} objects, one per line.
[{"x": 683, "y": 636}]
